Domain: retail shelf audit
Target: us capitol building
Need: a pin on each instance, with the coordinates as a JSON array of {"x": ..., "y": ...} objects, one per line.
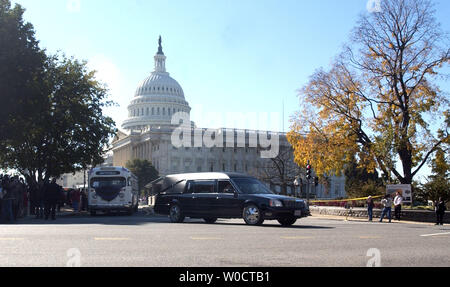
[{"x": 147, "y": 134}]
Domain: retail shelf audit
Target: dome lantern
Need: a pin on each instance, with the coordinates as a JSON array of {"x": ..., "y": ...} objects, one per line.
[{"x": 160, "y": 59}]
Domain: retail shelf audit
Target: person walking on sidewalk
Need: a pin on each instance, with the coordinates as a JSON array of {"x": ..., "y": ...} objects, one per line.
[
  {"x": 387, "y": 207},
  {"x": 51, "y": 199},
  {"x": 440, "y": 211},
  {"x": 398, "y": 200},
  {"x": 370, "y": 206}
]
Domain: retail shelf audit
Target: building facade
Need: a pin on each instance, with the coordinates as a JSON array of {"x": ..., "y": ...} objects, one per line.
[{"x": 148, "y": 133}]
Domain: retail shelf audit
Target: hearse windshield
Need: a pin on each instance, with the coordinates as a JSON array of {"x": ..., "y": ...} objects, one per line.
[
  {"x": 251, "y": 186},
  {"x": 99, "y": 182}
]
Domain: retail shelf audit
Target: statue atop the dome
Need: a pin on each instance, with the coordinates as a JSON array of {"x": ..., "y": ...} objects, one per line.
[{"x": 160, "y": 51}]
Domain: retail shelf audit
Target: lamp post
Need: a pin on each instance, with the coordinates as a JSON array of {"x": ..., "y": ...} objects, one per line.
[{"x": 298, "y": 182}]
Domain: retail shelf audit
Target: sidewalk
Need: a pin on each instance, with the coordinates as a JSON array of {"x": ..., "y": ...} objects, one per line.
[
  {"x": 375, "y": 220},
  {"x": 64, "y": 212}
]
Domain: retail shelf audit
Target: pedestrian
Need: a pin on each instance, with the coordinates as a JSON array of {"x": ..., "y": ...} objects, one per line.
[
  {"x": 76, "y": 200},
  {"x": 370, "y": 206},
  {"x": 440, "y": 211},
  {"x": 387, "y": 207},
  {"x": 51, "y": 199},
  {"x": 398, "y": 200},
  {"x": 7, "y": 200},
  {"x": 84, "y": 200},
  {"x": 40, "y": 206}
]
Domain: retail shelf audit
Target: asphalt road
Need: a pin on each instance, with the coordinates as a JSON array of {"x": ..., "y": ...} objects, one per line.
[{"x": 142, "y": 240}]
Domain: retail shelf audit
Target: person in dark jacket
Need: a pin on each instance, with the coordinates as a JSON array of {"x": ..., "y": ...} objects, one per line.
[
  {"x": 7, "y": 200},
  {"x": 52, "y": 195},
  {"x": 440, "y": 211},
  {"x": 370, "y": 206}
]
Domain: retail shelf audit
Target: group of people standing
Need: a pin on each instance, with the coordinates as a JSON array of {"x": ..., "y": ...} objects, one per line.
[
  {"x": 42, "y": 199},
  {"x": 387, "y": 202},
  {"x": 13, "y": 198}
]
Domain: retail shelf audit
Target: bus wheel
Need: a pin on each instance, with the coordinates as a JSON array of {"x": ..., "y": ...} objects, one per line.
[{"x": 93, "y": 213}]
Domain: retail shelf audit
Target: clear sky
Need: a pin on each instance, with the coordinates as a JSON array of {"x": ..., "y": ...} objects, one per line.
[{"x": 228, "y": 55}]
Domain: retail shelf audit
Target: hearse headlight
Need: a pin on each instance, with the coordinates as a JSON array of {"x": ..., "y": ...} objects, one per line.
[{"x": 275, "y": 203}]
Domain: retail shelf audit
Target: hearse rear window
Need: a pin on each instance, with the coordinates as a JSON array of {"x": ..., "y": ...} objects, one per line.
[{"x": 202, "y": 187}]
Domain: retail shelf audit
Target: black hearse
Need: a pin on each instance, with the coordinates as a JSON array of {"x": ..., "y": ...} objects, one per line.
[{"x": 223, "y": 195}]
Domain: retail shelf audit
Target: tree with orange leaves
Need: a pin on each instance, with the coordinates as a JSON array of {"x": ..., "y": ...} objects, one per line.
[{"x": 379, "y": 97}]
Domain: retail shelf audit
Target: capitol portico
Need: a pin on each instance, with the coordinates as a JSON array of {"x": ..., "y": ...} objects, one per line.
[{"x": 148, "y": 134}]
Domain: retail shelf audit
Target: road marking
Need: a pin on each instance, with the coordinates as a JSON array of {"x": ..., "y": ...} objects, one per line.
[
  {"x": 206, "y": 238},
  {"x": 370, "y": 237},
  {"x": 296, "y": 237},
  {"x": 435, "y": 234},
  {"x": 11, "y": 239},
  {"x": 110, "y": 239}
]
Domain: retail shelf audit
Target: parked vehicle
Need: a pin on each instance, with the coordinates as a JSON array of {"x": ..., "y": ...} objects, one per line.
[
  {"x": 112, "y": 189},
  {"x": 223, "y": 195}
]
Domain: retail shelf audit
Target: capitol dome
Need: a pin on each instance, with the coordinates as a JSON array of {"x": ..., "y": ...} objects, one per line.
[{"x": 157, "y": 98}]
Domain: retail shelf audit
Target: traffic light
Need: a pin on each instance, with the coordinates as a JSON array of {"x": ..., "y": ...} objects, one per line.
[{"x": 308, "y": 171}]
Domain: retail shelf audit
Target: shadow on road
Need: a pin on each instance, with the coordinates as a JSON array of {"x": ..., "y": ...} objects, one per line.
[
  {"x": 103, "y": 219},
  {"x": 267, "y": 224},
  {"x": 141, "y": 218}
]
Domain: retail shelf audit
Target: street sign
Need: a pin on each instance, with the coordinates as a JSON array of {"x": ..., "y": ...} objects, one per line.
[{"x": 404, "y": 189}]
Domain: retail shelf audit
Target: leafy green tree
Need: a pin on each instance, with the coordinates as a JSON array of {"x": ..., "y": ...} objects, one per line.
[
  {"x": 63, "y": 129},
  {"x": 21, "y": 67},
  {"x": 438, "y": 184},
  {"x": 360, "y": 183},
  {"x": 53, "y": 123},
  {"x": 144, "y": 170}
]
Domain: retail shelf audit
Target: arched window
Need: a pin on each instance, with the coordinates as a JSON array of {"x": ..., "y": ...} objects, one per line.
[
  {"x": 148, "y": 111},
  {"x": 157, "y": 111},
  {"x": 164, "y": 111},
  {"x": 153, "y": 111}
]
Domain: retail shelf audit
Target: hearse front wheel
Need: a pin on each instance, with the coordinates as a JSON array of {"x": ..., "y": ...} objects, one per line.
[
  {"x": 252, "y": 215},
  {"x": 287, "y": 221},
  {"x": 175, "y": 214}
]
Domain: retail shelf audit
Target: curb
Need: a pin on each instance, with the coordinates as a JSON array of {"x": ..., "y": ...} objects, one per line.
[{"x": 342, "y": 218}]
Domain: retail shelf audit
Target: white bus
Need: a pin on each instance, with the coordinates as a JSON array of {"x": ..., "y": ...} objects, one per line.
[{"x": 112, "y": 189}]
